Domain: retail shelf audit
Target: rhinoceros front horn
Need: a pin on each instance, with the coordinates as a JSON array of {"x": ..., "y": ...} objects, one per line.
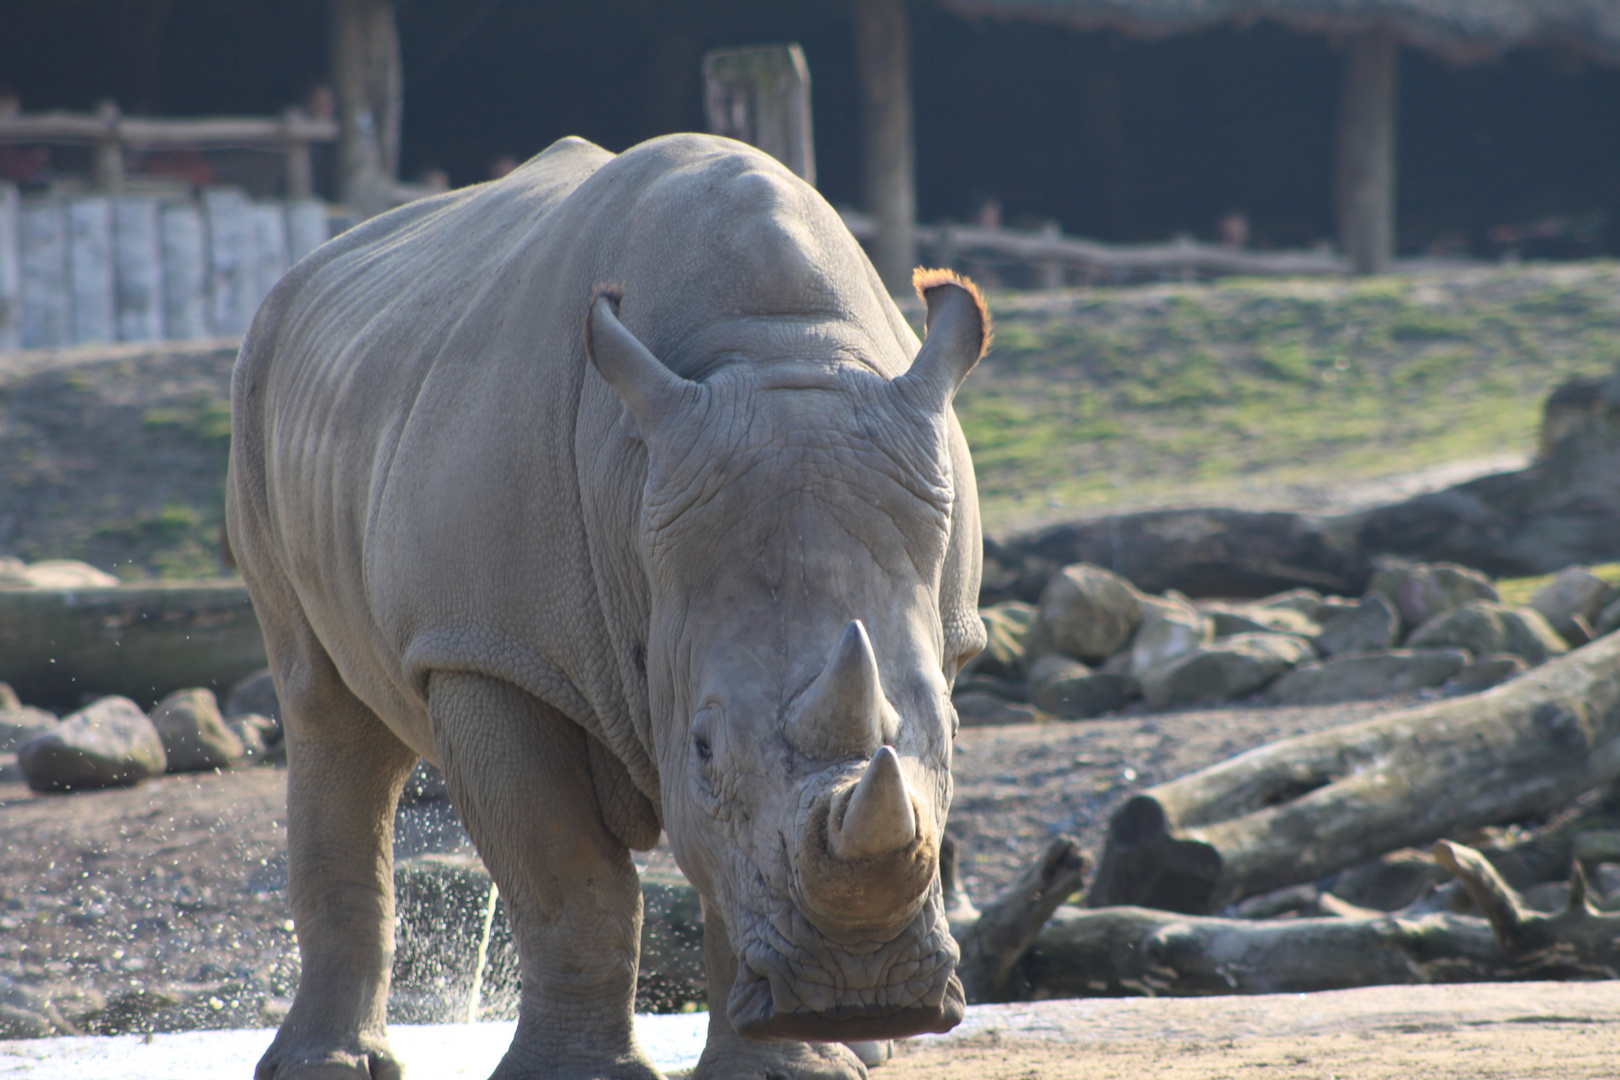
[
  {"x": 879, "y": 818},
  {"x": 844, "y": 711}
]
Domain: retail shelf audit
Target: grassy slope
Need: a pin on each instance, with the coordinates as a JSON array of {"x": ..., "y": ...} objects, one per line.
[{"x": 1211, "y": 393}]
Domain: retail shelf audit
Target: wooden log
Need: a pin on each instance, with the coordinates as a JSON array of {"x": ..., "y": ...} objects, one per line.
[
  {"x": 761, "y": 96},
  {"x": 92, "y": 313},
  {"x": 1296, "y": 810},
  {"x": 138, "y": 269},
  {"x": 10, "y": 267},
  {"x": 993, "y": 945},
  {"x": 185, "y": 272},
  {"x": 230, "y": 260},
  {"x": 306, "y": 227},
  {"x": 1364, "y": 179},
  {"x": 888, "y": 180},
  {"x": 140, "y": 641},
  {"x": 44, "y": 286}
]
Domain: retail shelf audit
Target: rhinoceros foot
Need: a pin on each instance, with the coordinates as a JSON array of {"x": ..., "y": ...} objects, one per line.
[
  {"x": 292, "y": 1062},
  {"x": 856, "y": 1024}
]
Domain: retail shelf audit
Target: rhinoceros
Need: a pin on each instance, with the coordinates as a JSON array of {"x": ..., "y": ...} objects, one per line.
[{"x": 620, "y": 490}]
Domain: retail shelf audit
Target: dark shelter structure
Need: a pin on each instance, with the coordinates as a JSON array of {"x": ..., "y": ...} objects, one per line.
[{"x": 1447, "y": 126}]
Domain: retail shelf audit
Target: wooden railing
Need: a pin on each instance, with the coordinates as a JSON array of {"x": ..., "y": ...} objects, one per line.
[{"x": 110, "y": 132}]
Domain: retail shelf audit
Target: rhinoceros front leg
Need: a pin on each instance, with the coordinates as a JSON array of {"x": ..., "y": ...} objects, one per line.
[
  {"x": 729, "y": 1056},
  {"x": 344, "y": 774},
  {"x": 518, "y": 772}
]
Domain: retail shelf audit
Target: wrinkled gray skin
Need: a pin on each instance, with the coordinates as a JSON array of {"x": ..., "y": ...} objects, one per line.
[{"x": 714, "y": 577}]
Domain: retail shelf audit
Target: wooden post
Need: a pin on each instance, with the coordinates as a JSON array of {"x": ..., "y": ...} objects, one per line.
[
  {"x": 1364, "y": 183},
  {"x": 185, "y": 272},
  {"x": 883, "y": 53},
  {"x": 109, "y": 149},
  {"x": 1050, "y": 271},
  {"x": 761, "y": 96},
  {"x": 300, "y": 176},
  {"x": 369, "y": 85},
  {"x": 138, "y": 262},
  {"x": 10, "y": 268}
]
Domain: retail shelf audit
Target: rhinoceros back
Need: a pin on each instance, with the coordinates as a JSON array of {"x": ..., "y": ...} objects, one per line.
[{"x": 423, "y": 457}]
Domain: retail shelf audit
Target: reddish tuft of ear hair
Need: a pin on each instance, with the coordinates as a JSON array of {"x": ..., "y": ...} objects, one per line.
[{"x": 923, "y": 278}]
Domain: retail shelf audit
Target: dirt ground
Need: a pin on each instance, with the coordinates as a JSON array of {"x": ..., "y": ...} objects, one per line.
[{"x": 182, "y": 880}]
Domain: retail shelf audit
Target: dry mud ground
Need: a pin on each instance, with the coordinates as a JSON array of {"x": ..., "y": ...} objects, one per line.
[{"x": 182, "y": 881}]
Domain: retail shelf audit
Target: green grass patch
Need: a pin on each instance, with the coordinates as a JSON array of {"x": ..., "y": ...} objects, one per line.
[{"x": 1101, "y": 397}]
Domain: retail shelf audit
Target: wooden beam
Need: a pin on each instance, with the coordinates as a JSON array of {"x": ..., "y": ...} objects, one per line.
[
  {"x": 889, "y": 185},
  {"x": 1364, "y": 183}
]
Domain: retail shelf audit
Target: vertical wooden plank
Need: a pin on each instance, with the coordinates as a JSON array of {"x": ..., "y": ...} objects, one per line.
[
  {"x": 90, "y": 270},
  {"x": 761, "y": 96},
  {"x": 1364, "y": 180},
  {"x": 185, "y": 271},
  {"x": 138, "y": 262},
  {"x": 10, "y": 267},
  {"x": 230, "y": 260},
  {"x": 44, "y": 274},
  {"x": 888, "y": 180},
  {"x": 306, "y": 227},
  {"x": 269, "y": 249},
  {"x": 368, "y": 83}
]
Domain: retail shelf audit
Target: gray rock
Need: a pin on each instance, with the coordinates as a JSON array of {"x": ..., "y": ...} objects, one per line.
[
  {"x": 1371, "y": 624},
  {"x": 1608, "y": 621},
  {"x": 1086, "y": 612},
  {"x": 254, "y": 694},
  {"x": 68, "y": 574},
  {"x": 195, "y": 737},
  {"x": 1572, "y": 602},
  {"x": 10, "y": 771},
  {"x": 251, "y": 731},
  {"x": 1308, "y": 602},
  {"x": 20, "y": 724},
  {"x": 109, "y": 743},
  {"x": 1230, "y": 619},
  {"x": 13, "y": 573},
  {"x": 978, "y": 709},
  {"x": 1484, "y": 673},
  {"x": 1484, "y": 627},
  {"x": 8, "y": 698},
  {"x": 1067, "y": 688},
  {"x": 1171, "y": 628},
  {"x": 1362, "y": 676},
  {"x": 1423, "y": 591},
  {"x": 1224, "y": 670},
  {"x": 1007, "y": 628}
]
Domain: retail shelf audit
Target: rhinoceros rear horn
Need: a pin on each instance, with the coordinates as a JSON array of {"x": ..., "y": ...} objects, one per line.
[
  {"x": 958, "y": 332},
  {"x": 844, "y": 711},
  {"x": 648, "y": 389}
]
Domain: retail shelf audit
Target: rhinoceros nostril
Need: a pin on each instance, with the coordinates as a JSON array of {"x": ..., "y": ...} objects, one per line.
[{"x": 879, "y": 817}]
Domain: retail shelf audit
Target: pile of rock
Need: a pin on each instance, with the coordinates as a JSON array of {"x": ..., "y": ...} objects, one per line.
[
  {"x": 1096, "y": 644},
  {"x": 112, "y": 743}
]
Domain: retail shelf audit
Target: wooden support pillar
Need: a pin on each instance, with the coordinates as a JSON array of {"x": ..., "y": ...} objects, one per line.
[
  {"x": 369, "y": 85},
  {"x": 761, "y": 96},
  {"x": 1364, "y": 184},
  {"x": 109, "y": 150},
  {"x": 889, "y": 186}
]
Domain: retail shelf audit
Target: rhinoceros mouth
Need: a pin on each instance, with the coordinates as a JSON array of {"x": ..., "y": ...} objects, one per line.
[{"x": 794, "y": 982}]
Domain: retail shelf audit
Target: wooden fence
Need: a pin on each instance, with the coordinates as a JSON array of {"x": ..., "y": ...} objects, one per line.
[{"x": 81, "y": 269}]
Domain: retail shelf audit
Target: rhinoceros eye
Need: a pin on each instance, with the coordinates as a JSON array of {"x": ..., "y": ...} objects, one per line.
[{"x": 705, "y": 752}]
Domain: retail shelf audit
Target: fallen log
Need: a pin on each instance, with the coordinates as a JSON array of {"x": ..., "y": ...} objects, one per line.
[
  {"x": 994, "y": 943},
  {"x": 1296, "y": 810},
  {"x": 138, "y": 641},
  {"x": 1129, "y": 951}
]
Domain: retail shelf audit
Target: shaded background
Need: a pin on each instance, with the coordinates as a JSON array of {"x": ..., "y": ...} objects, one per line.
[{"x": 1114, "y": 138}]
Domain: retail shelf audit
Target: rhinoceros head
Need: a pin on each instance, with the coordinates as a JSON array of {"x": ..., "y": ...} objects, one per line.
[{"x": 797, "y": 536}]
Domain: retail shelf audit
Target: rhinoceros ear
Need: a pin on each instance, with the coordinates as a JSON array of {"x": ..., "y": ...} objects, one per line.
[
  {"x": 956, "y": 335},
  {"x": 648, "y": 389}
]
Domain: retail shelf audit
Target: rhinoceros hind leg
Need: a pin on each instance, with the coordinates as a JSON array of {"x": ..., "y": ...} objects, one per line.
[
  {"x": 518, "y": 771},
  {"x": 730, "y": 1056},
  {"x": 344, "y": 774}
]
